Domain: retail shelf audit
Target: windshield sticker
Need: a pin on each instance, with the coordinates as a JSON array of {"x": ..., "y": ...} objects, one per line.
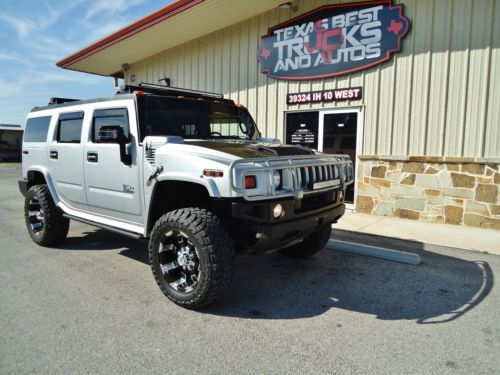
[{"x": 333, "y": 40}]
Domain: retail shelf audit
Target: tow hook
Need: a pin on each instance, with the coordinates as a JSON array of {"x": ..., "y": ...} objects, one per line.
[{"x": 320, "y": 219}]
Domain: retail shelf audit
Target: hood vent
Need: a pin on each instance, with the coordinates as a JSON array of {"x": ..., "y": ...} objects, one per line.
[
  {"x": 151, "y": 155},
  {"x": 267, "y": 150}
]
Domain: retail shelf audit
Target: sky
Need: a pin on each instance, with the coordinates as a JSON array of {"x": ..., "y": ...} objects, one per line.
[{"x": 35, "y": 34}]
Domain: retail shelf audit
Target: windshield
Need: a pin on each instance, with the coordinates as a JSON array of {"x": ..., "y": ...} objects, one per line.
[{"x": 195, "y": 119}]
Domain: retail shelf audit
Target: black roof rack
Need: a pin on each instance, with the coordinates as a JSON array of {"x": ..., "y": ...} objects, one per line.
[
  {"x": 53, "y": 101},
  {"x": 173, "y": 91}
]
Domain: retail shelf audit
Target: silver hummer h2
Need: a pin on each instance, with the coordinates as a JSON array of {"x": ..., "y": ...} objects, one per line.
[{"x": 186, "y": 170}]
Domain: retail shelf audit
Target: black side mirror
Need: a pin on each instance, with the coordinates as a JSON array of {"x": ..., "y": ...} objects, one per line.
[
  {"x": 115, "y": 134},
  {"x": 111, "y": 134}
]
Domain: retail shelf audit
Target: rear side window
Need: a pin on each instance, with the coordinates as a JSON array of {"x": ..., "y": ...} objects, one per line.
[
  {"x": 110, "y": 117},
  {"x": 36, "y": 129},
  {"x": 69, "y": 129}
]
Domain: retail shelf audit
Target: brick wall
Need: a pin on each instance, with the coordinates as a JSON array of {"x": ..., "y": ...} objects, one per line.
[{"x": 433, "y": 189}]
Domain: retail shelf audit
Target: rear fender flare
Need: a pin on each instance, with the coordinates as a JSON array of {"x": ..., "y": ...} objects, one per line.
[{"x": 48, "y": 179}]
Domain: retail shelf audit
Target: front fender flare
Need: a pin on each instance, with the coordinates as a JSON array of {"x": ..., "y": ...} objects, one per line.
[{"x": 207, "y": 184}]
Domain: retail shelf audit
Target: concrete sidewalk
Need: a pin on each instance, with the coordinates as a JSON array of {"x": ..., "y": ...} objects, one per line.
[{"x": 457, "y": 236}]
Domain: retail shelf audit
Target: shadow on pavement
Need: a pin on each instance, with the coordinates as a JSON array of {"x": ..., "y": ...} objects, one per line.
[
  {"x": 100, "y": 239},
  {"x": 439, "y": 290}
]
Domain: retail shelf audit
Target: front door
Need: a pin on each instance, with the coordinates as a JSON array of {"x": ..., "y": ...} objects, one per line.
[{"x": 113, "y": 187}]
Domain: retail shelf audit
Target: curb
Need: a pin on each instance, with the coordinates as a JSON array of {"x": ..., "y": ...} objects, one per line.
[{"x": 374, "y": 251}]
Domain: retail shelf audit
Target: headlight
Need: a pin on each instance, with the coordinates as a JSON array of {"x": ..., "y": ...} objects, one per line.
[
  {"x": 278, "y": 211},
  {"x": 276, "y": 179}
]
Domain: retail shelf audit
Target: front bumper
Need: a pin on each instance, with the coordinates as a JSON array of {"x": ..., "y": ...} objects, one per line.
[{"x": 256, "y": 230}]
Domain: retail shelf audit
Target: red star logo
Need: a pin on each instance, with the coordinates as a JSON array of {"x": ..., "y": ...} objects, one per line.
[
  {"x": 395, "y": 27},
  {"x": 265, "y": 53}
]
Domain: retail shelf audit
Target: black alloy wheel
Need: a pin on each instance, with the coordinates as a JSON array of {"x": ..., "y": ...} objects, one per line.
[{"x": 191, "y": 256}]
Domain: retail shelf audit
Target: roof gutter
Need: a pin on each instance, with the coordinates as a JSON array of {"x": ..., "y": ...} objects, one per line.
[{"x": 140, "y": 25}]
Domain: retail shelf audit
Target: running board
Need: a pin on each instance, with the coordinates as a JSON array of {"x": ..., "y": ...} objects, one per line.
[{"x": 133, "y": 235}]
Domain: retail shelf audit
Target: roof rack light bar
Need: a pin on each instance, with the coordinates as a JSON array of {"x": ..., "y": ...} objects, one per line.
[{"x": 177, "y": 90}]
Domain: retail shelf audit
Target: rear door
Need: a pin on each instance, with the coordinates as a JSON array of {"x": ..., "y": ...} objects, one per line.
[
  {"x": 65, "y": 155},
  {"x": 35, "y": 143},
  {"x": 114, "y": 188}
]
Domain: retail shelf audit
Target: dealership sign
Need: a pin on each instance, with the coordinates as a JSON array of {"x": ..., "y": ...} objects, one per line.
[{"x": 333, "y": 40}]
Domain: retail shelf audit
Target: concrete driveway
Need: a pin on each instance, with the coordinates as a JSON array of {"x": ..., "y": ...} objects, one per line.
[{"x": 92, "y": 306}]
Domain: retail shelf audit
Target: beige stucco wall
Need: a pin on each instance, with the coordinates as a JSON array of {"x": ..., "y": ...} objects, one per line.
[{"x": 439, "y": 97}]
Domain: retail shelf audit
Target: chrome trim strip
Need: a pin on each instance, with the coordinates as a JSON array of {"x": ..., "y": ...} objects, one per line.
[{"x": 102, "y": 220}]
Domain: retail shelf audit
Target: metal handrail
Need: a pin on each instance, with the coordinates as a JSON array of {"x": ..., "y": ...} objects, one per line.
[{"x": 291, "y": 165}]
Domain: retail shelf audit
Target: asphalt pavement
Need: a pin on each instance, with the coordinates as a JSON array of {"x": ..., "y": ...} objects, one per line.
[{"x": 91, "y": 306}]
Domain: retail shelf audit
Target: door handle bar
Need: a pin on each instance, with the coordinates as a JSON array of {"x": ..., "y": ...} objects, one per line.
[{"x": 92, "y": 157}]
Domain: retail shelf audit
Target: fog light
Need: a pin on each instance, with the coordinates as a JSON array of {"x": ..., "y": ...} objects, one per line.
[{"x": 278, "y": 211}]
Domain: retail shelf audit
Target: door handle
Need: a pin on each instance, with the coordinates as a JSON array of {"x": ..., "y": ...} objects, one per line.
[
  {"x": 92, "y": 157},
  {"x": 54, "y": 155}
]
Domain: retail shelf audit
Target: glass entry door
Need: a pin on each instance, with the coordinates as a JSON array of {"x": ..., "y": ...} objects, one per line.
[
  {"x": 335, "y": 131},
  {"x": 338, "y": 134},
  {"x": 302, "y": 128}
]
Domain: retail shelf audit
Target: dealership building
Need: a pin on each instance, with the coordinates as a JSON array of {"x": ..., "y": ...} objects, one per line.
[{"x": 409, "y": 89}]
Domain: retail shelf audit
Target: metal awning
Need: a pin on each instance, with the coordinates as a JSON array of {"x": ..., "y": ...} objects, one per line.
[{"x": 170, "y": 26}]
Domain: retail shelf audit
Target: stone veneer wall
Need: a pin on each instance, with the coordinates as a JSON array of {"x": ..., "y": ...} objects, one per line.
[{"x": 434, "y": 189}]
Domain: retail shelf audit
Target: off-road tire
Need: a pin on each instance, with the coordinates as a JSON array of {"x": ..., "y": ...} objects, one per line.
[
  {"x": 55, "y": 226},
  {"x": 215, "y": 252},
  {"x": 310, "y": 245}
]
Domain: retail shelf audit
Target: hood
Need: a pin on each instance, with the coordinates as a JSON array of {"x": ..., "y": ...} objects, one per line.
[{"x": 251, "y": 149}]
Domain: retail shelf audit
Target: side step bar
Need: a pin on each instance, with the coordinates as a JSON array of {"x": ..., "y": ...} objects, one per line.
[{"x": 133, "y": 235}]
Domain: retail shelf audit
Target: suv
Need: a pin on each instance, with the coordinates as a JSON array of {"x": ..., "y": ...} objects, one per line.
[{"x": 186, "y": 170}]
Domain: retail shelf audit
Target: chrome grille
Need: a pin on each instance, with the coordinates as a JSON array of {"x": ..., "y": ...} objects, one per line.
[{"x": 307, "y": 176}]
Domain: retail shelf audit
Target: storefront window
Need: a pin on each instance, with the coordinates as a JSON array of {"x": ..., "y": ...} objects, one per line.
[{"x": 10, "y": 145}]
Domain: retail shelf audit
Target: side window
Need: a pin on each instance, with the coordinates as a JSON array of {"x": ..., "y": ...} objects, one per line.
[
  {"x": 36, "y": 129},
  {"x": 69, "y": 128},
  {"x": 110, "y": 117}
]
